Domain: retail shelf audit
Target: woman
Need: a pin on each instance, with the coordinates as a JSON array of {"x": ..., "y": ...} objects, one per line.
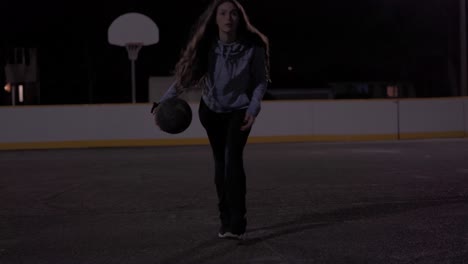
[{"x": 228, "y": 59}]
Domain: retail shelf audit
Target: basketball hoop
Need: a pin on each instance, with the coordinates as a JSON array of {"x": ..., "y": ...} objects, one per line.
[
  {"x": 133, "y": 31},
  {"x": 132, "y": 49}
]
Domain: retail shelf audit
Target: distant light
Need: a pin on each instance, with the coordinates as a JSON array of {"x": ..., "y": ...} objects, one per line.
[
  {"x": 20, "y": 91},
  {"x": 7, "y": 87},
  {"x": 392, "y": 91},
  {"x": 290, "y": 68}
]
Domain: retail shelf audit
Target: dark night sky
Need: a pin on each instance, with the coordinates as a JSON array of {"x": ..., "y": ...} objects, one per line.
[{"x": 325, "y": 41}]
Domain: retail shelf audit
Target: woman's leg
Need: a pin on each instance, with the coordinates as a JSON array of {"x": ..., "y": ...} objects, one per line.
[
  {"x": 216, "y": 127},
  {"x": 235, "y": 173}
]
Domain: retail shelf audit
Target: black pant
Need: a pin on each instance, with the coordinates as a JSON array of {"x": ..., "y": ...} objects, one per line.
[{"x": 227, "y": 143}]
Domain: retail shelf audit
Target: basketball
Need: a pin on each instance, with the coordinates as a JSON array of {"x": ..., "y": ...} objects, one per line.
[{"x": 173, "y": 116}]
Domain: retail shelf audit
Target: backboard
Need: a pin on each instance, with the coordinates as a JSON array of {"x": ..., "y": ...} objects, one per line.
[{"x": 133, "y": 28}]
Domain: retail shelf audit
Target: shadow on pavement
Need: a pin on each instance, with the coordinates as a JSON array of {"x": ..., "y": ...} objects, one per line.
[{"x": 211, "y": 249}]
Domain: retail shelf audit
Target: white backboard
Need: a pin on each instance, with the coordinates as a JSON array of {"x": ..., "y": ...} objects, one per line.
[{"x": 133, "y": 28}]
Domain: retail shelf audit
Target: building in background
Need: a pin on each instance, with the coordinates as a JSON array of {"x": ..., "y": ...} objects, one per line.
[{"x": 21, "y": 72}]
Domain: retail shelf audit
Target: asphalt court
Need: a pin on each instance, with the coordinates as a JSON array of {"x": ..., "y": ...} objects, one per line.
[{"x": 355, "y": 202}]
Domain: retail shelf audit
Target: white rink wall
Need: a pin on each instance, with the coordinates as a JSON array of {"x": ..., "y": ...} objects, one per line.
[
  {"x": 433, "y": 116},
  {"x": 113, "y": 125},
  {"x": 465, "y": 111},
  {"x": 321, "y": 118}
]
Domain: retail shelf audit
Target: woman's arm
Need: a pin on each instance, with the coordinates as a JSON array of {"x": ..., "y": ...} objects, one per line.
[
  {"x": 260, "y": 85},
  {"x": 259, "y": 81},
  {"x": 171, "y": 92}
]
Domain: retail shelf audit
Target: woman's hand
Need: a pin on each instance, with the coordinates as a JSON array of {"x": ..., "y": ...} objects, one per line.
[
  {"x": 154, "y": 109},
  {"x": 248, "y": 122}
]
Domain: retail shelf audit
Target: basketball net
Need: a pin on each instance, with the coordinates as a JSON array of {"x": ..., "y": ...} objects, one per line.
[{"x": 133, "y": 49}]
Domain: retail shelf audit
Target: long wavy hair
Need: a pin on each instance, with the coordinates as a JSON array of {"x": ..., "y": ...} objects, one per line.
[{"x": 192, "y": 66}]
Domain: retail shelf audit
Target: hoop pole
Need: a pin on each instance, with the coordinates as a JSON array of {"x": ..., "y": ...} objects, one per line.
[
  {"x": 132, "y": 50},
  {"x": 463, "y": 51},
  {"x": 133, "y": 81}
]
